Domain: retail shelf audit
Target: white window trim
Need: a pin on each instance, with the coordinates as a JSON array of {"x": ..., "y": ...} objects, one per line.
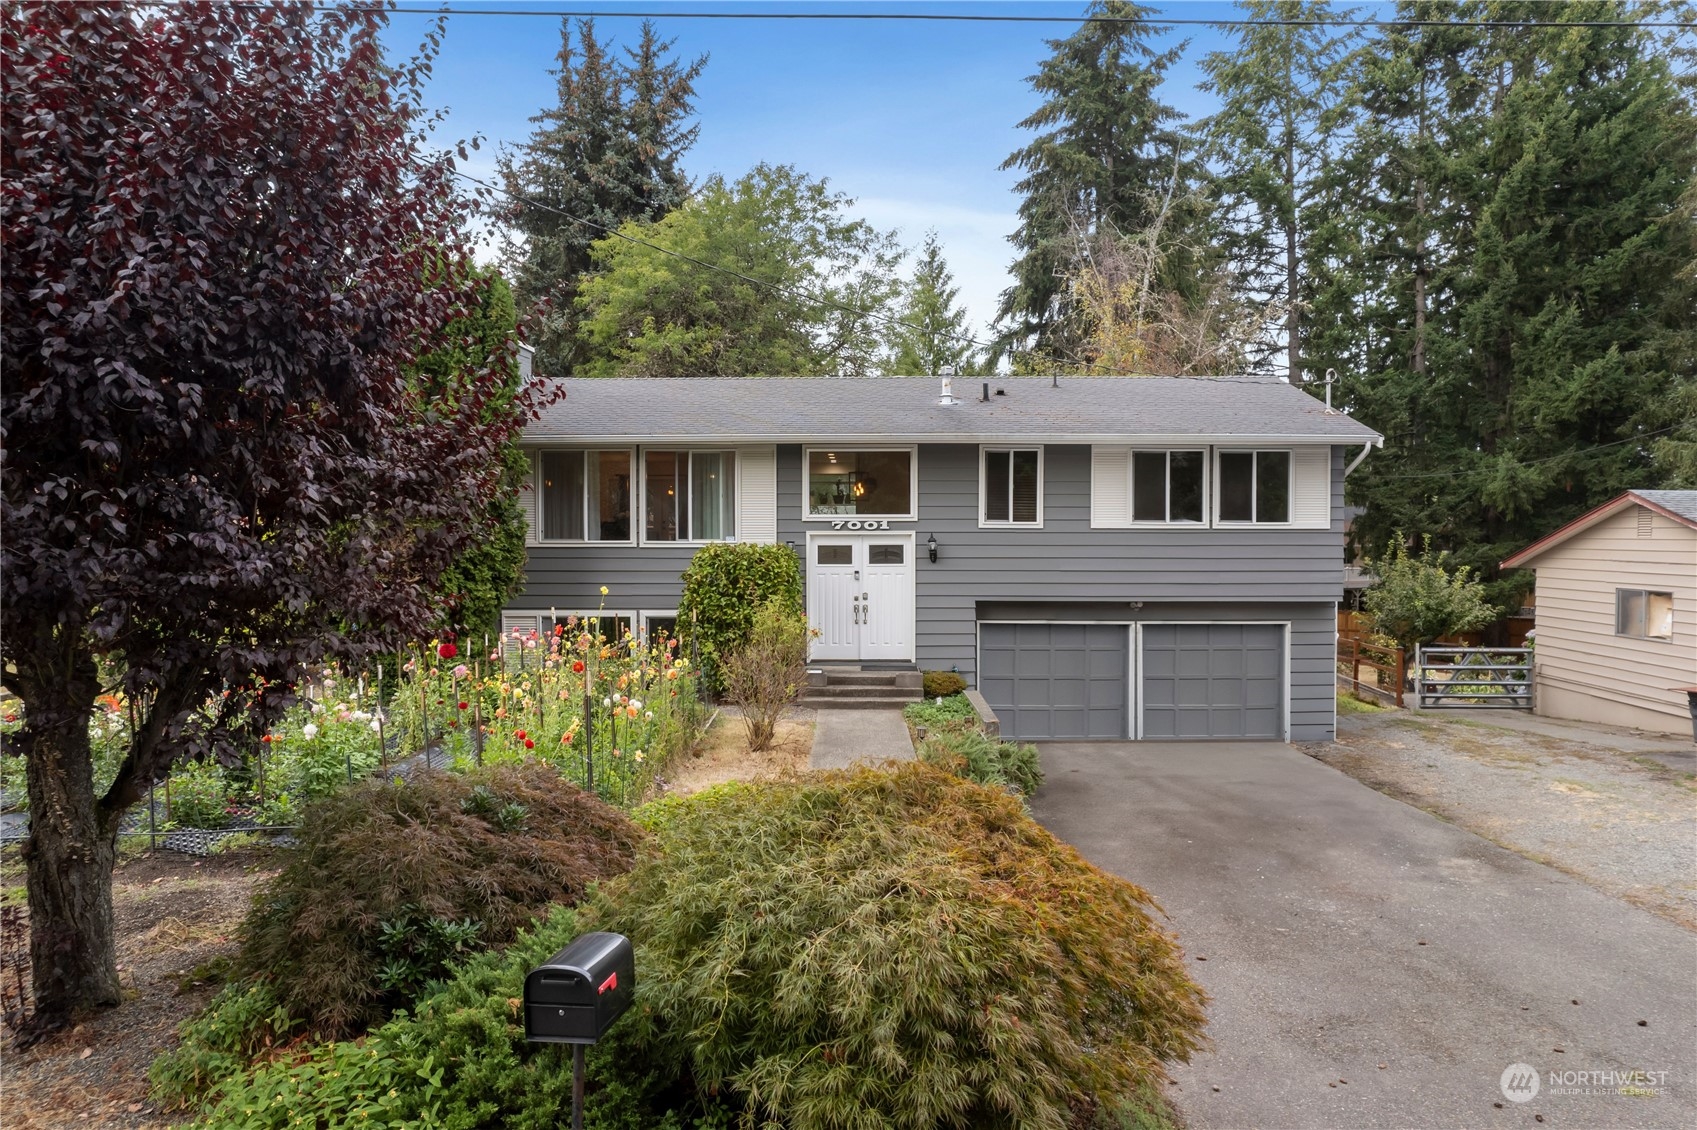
[
  {"x": 912, "y": 450},
  {"x": 537, "y": 486},
  {"x": 1169, "y": 524},
  {"x": 654, "y": 613},
  {"x": 1290, "y": 488},
  {"x": 639, "y": 521},
  {"x": 984, "y": 486},
  {"x": 559, "y": 614}
]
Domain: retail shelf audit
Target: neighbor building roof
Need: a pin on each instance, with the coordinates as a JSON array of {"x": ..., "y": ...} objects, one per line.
[
  {"x": 1679, "y": 505},
  {"x": 1071, "y": 410}
]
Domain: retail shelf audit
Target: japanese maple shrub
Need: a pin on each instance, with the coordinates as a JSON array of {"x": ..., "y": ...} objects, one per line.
[
  {"x": 229, "y": 240},
  {"x": 393, "y": 881}
]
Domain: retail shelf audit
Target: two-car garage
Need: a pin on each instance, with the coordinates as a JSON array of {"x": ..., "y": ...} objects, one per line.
[{"x": 1194, "y": 680}]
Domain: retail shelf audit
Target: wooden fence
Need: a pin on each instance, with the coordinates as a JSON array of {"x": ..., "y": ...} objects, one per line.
[{"x": 1387, "y": 666}]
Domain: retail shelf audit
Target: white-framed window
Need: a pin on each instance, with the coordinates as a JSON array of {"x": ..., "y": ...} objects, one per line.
[
  {"x": 689, "y": 496},
  {"x": 1252, "y": 487},
  {"x": 1010, "y": 486},
  {"x": 657, "y": 621},
  {"x": 1169, "y": 487},
  {"x": 1644, "y": 614},
  {"x": 584, "y": 496},
  {"x": 851, "y": 482}
]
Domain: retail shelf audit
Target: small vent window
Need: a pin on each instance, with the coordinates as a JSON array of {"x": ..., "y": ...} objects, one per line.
[{"x": 1646, "y": 522}]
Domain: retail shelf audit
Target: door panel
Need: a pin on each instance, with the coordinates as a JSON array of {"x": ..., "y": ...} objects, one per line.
[
  {"x": 1213, "y": 681},
  {"x": 860, "y": 596},
  {"x": 1056, "y": 681}
]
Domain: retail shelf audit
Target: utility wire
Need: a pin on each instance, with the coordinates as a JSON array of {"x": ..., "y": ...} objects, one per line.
[
  {"x": 778, "y": 288},
  {"x": 1530, "y": 462},
  {"x": 962, "y": 17}
]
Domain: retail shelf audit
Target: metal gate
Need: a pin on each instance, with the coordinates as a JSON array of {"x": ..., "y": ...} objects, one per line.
[{"x": 1498, "y": 678}]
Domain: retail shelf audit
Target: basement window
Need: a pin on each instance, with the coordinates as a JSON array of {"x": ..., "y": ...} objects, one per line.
[{"x": 1644, "y": 614}]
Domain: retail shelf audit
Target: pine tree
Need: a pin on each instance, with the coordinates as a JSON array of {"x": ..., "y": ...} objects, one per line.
[
  {"x": 1282, "y": 100},
  {"x": 1106, "y": 154},
  {"x": 608, "y": 152},
  {"x": 1510, "y": 306},
  {"x": 932, "y": 334}
]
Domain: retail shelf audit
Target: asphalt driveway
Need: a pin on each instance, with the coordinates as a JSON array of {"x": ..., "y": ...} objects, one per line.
[{"x": 1371, "y": 965}]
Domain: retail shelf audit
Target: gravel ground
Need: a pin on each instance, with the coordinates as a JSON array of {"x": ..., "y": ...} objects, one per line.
[{"x": 1620, "y": 820}]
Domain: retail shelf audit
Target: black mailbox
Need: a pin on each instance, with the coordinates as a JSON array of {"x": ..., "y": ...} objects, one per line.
[{"x": 581, "y": 990}]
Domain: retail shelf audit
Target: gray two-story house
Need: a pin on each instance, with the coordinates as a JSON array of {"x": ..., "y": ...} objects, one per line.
[{"x": 1102, "y": 557}]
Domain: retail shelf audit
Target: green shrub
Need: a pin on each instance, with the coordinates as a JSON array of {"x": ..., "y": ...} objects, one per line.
[
  {"x": 725, "y": 584},
  {"x": 392, "y": 881},
  {"x": 930, "y": 712},
  {"x": 967, "y": 752},
  {"x": 199, "y": 795},
  {"x": 942, "y": 684},
  {"x": 460, "y": 1062},
  {"x": 242, "y": 1021},
  {"x": 766, "y": 674},
  {"x": 892, "y": 949}
]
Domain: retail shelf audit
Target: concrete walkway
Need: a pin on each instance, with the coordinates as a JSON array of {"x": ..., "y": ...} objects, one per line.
[
  {"x": 1371, "y": 965},
  {"x": 845, "y": 737}
]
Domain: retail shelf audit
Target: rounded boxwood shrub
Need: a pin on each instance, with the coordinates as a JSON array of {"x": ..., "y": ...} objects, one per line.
[
  {"x": 892, "y": 949},
  {"x": 394, "y": 881},
  {"x": 725, "y": 585},
  {"x": 942, "y": 684}
]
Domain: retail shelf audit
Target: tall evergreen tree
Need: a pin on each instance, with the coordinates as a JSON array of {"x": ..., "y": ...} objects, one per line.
[
  {"x": 932, "y": 334},
  {"x": 609, "y": 151},
  {"x": 1520, "y": 310},
  {"x": 1282, "y": 100},
  {"x": 1106, "y": 153}
]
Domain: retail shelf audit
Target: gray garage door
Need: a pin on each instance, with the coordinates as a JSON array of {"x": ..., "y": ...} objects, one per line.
[
  {"x": 1056, "y": 680},
  {"x": 1213, "y": 680}
]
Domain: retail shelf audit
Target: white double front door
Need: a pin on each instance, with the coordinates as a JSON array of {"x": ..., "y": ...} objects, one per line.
[{"x": 860, "y": 595}]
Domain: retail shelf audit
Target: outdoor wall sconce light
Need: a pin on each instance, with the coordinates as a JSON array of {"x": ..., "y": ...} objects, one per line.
[{"x": 931, "y": 547}]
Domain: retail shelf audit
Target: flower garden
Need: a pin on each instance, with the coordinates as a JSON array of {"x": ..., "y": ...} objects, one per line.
[{"x": 606, "y": 710}]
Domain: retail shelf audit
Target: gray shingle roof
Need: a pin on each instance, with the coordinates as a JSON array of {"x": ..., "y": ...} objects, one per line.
[
  {"x": 1681, "y": 502},
  {"x": 1081, "y": 409}
]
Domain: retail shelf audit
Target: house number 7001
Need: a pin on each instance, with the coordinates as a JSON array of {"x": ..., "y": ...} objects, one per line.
[{"x": 861, "y": 524}]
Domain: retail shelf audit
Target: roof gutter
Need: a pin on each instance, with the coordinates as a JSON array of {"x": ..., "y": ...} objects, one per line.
[{"x": 1369, "y": 446}]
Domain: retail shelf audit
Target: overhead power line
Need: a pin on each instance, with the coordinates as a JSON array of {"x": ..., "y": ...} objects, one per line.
[
  {"x": 764, "y": 284},
  {"x": 964, "y": 17}
]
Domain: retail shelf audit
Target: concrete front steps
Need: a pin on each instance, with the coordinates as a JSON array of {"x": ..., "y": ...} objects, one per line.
[{"x": 855, "y": 688}]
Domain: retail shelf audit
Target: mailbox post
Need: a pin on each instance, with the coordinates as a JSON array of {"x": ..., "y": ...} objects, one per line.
[{"x": 576, "y": 995}]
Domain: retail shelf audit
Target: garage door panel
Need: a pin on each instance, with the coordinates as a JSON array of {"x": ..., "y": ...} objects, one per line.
[
  {"x": 1063, "y": 680},
  {"x": 1213, "y": 681}
]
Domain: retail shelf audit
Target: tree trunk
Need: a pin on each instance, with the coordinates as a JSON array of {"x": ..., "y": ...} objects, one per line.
[
  {"x": 72, "y": 844},
  {"x": 1293, "y": 281},
  {"x": 1420, "y": 237}
]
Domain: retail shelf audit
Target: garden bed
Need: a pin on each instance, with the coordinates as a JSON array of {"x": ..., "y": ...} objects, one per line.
[{"x": 722, "y": 754}]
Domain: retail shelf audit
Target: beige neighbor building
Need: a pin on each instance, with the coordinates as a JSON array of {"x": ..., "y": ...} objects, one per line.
[{"x": 1617, "y": 613}]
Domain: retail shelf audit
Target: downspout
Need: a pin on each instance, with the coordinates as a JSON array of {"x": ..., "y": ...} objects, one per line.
[{"x": 1370, "y": 445}]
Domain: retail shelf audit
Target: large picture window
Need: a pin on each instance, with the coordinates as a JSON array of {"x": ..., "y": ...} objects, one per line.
[
  {"x": 859, "y": 483},
  {"x": 1647, "y": 615},
  {"x": 585, "y": 495},
  {"x": 689, "y": 495},
  {"x": 1013, "y": 487},
  {"x": 1166, "y": 486},
  {"x": 1254, "y": 486}
]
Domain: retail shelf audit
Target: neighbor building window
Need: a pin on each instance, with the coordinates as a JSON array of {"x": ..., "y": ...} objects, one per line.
[
  {"x": 585, "y": 495},
  {"x": 689, "y": 495},
  {"x": 1013, "y": 486},
  {"x": 1647, "y": 615},
  {"x": 1166, "y": 486},
  {"x": 852, "y": 484},
  {"x": 1254, "y": 486}
]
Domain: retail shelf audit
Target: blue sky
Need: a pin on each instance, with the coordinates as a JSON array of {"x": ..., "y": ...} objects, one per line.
[{"x": 910, "y": 118}]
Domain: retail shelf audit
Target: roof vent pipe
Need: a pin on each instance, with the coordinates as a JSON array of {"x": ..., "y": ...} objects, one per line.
[
  {"x": 986, "y": 397},
  {"x": 948, "y": 388}
]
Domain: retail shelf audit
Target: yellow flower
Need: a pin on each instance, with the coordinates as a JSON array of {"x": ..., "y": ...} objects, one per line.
[{"x": 603, "y": 590}]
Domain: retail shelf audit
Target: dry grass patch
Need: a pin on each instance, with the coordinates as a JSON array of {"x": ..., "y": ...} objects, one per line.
[{"x": 723, "y": 755}]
